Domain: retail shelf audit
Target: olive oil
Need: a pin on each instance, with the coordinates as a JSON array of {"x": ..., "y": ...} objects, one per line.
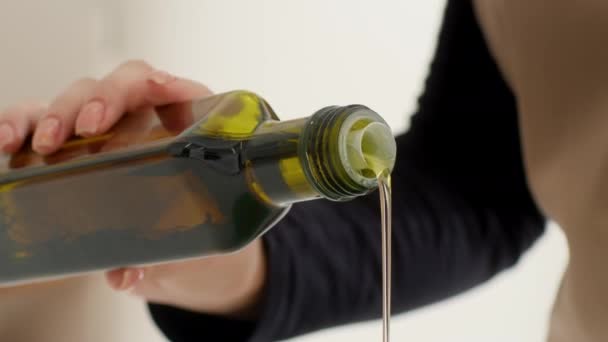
[
  {"x": 188, "y": 180},
  {"x": 384, "y": 180},
  {"x": 378, "y": 162}
]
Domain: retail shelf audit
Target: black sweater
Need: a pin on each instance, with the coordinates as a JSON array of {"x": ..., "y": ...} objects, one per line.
[{"x": 462, "y": 212}]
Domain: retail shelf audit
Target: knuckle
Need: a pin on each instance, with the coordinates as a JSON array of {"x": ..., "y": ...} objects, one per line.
[
  {"x": 126, "y": 77},
  {"x": 136, "y": 64},
  {"x": 73, "y": 94},
  {"x": 110, "y": 89},
  {"x": 77, "y": 89}
]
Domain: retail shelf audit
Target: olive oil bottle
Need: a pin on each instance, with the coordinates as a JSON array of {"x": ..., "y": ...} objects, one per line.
[{"x": 186, "y": 180}]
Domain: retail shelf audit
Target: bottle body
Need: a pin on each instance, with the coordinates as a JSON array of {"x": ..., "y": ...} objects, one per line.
[{"x": 197, "y": 179}]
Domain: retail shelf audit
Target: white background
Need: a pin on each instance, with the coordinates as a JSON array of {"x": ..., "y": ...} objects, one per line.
[{"x": 300, "y": 55}]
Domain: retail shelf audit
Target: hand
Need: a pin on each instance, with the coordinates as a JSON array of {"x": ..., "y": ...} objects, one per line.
[{"x": 226, "y": 285}]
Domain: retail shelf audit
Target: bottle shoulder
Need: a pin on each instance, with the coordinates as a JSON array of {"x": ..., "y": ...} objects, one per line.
[{"x": 232, "y": 115}]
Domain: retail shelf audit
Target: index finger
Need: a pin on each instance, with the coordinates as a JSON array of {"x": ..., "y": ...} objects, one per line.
[{"x": 130, "y": 87}]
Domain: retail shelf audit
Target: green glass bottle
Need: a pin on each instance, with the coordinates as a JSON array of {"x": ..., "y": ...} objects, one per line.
[{"x": 186, "y": 180}]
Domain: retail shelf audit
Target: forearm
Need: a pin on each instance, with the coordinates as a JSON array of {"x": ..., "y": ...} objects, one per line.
[{"x": 554, "y": 53}]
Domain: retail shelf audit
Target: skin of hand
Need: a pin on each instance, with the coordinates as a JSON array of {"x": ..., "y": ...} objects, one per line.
[
  {"x": 225, "y": 285},
  {"x": 553, "y": 54}
]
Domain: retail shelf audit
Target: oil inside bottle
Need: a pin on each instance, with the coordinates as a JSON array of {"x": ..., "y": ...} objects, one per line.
[{"x": 134, "y": 196}]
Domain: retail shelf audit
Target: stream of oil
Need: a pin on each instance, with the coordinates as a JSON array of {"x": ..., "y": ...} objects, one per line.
[{"x": 384, "y": 183}]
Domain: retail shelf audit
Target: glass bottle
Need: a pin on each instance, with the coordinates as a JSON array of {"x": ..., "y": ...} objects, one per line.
[{"x": 185, "y": 180}]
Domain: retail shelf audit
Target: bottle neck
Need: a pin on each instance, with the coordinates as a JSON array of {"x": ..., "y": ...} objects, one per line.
[{"x": 332, "y": 154}]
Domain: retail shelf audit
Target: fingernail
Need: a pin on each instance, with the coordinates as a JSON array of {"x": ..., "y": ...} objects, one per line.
[
  {"x": 46, "y": 133},
  {"x": 130, "y": 278},
  {"x": 90, "y": 118},
  {"x": 161, "y": 77},
  {"x": 7, "y": 135}
]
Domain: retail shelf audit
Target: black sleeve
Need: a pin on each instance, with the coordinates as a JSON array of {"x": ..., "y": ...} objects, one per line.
[{"x": 462, "y": 212}]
